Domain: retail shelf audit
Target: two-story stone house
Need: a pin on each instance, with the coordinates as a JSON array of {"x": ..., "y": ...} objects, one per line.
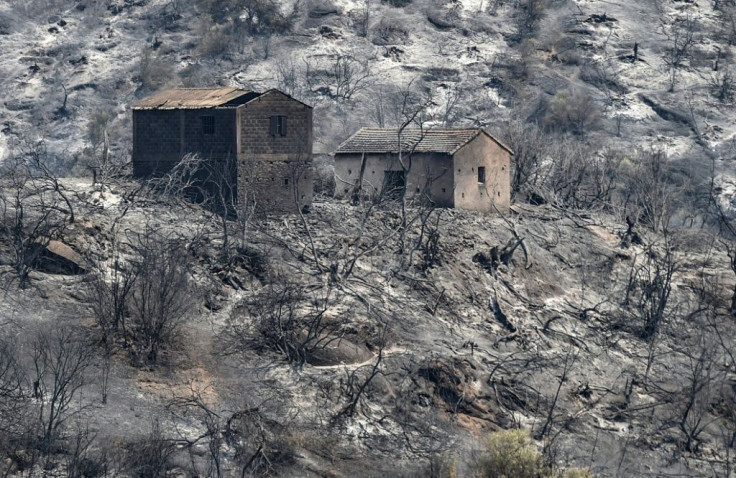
[{"x": 263, "y": 139}]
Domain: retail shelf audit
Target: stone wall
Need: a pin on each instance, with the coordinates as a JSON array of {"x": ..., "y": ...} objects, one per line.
[
  {"x": 430, "y": 175},
  {"x": 453, "y": 181},
  {"x": 496, "y": 190}
]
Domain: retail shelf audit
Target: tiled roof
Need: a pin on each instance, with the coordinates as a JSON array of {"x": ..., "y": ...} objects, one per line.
[
  {"x": 192, "y": 98},
  {"x": 384, "y": 140}
]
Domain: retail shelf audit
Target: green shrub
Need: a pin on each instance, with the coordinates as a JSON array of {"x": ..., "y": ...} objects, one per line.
[
  {"x": 507, "y": 454},
  {"x": 577, "y": 473},
  {"x": 511, "y": 454}
]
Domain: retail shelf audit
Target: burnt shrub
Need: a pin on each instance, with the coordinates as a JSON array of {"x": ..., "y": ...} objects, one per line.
[
  {"x": 390, "y": 32},
  {"x": 397, "y": 3},
  {"x": 151, "y": 456}
]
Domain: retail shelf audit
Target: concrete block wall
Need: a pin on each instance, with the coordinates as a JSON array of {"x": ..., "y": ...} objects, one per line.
[
  {"x": 275, "y": 187},
  {"x": 156, "y": 141},
  {"x": 255, "y": 136},
  {"x": 277, "y": 170},
  {"x": 221, "y": 144},
  {"x": 162, "y": 137}
]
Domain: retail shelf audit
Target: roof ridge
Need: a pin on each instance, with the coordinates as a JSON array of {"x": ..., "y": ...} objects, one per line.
[
  {"x": 207, "y": 88},
  {"x": 193, "y": 98},
  {"x": 384, "y": 140}
]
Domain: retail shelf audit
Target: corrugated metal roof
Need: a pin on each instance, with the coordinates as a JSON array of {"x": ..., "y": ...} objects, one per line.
[
  {"x": 190, "y": 98},
  {"x": 385, "y": 140}
]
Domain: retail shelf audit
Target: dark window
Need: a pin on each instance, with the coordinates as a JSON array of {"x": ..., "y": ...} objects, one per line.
[
  {"x": 285, "y": 182},
  {"x": 481, "y": 174},
  {"x": 208, "y": 124},
  {"x": 278, "y": 126},
  {"x": 444, "y": 190}
]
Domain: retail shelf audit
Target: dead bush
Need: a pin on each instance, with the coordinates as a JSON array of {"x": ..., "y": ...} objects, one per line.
[
  {"x": 572, "y": 112},
  {"x": 251, "y": 17},
  {"x": 390, "y": 32},
  {"x": 361, "y": 18},
  {"x": 151, "y": 456},
  {"x": 654, "y": 190},
  {"x": 35, "y": 207},
  {"x": 60, "y": 360},
  {"x": 324, "y": 177},
  {"x": 529, "y": 14},
  {"x": 723, "y": 86},
  {"x": 154, "y": 71},
  {"x": 397, "y": 3},
  {"x": 285, "y": 319},
  {"x": 12, "y": 397},
  {"x": 216, "y": 42},
  {"x": 161, "y": 296}
]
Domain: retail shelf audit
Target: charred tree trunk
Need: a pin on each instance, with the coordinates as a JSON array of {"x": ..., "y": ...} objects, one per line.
[{"x": 358, "y": 188}]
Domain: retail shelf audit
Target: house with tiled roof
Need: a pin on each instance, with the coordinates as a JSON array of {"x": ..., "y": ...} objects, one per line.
[
  {"x": 462, "y": 168},
  {"x": 261, "y": 142}
]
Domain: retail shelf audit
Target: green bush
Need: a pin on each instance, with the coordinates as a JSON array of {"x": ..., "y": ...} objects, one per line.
[{"x": 509, "y": 454}]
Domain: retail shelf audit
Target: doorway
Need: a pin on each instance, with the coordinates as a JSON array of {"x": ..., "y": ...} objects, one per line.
[{"x": 394, "y": 184}]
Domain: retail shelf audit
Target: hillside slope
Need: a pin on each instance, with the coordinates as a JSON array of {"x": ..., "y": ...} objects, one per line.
[
  {"x": 357, "y": 340},
  {"x": 482, "y": 62},
  {"x": 338, "y": 346}
]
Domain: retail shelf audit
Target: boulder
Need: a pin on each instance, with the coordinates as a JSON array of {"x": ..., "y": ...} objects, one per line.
[
  {"x": 55, "y": 257},
  {"x": 338, "y": 352}
]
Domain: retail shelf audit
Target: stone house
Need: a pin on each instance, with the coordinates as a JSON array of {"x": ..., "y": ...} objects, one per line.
[
  {"x": 461, "y": 168},
  {"x": 262, "y": 140}
]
